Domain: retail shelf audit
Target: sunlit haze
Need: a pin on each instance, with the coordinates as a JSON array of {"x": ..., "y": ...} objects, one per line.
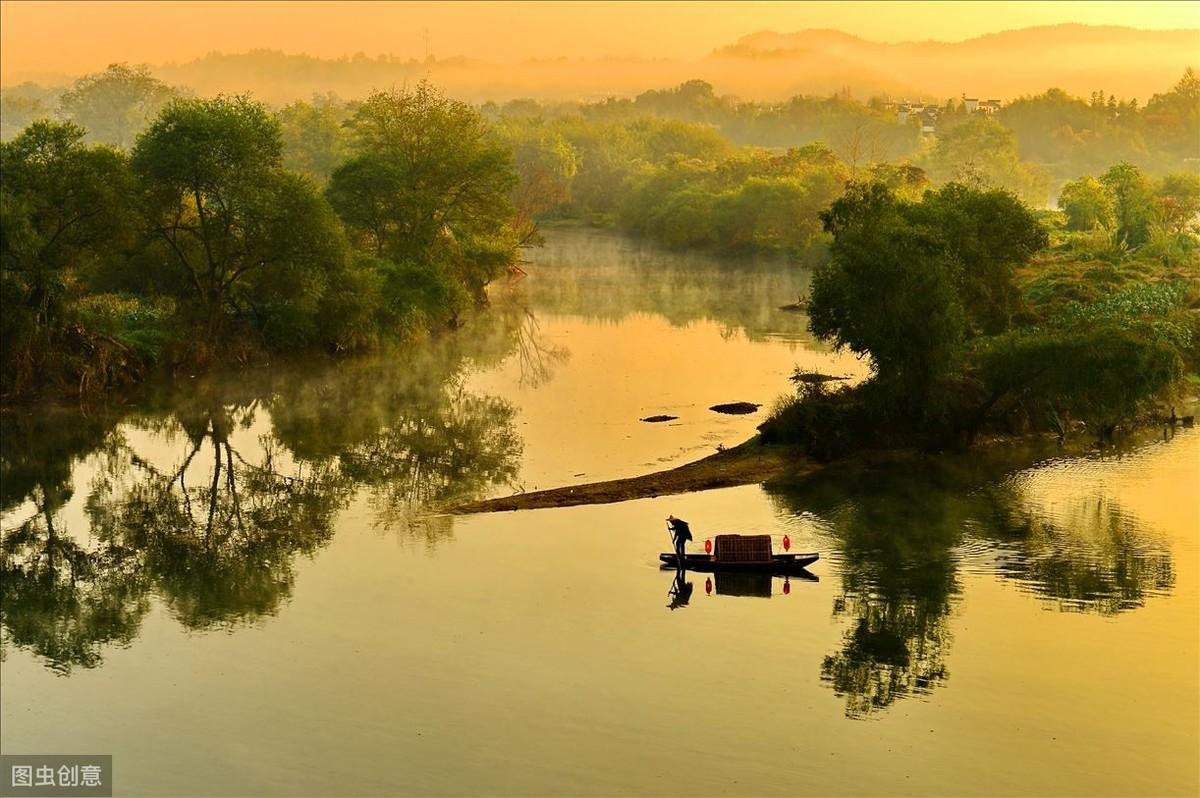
[
  {"x": 74, "y": 37},
  {"x": 600, "y": 398}
]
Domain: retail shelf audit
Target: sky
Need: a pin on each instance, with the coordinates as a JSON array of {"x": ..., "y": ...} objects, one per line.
[{"x": 77, "y": 37}]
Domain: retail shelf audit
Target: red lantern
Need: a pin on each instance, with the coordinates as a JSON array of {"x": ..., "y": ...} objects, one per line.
[
  {"x": 787, "y": 586},
  {"x": 708, "y": 585},
  {"x": 787, "y": 543},
  {"x": 708, "y": 547}
]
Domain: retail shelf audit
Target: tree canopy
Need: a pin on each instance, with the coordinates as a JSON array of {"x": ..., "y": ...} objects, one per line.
[
  {"x": 113, "y": 106},
  {"x": 244, "y": 235}
]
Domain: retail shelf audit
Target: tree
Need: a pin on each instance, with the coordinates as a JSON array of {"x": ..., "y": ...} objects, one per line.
[
  {"x": 1088, "y": 204},
  {"x": 983, "y": 151},
  {"x": 65, "y": 208},
  {"x": 908, "y": 283},
  {"x": 987, "y": 234},
  {"x": 314, "y": 141},
  {"x": 243, "y": 235},
  {"x": 904, "y": 180},
  {"x": 1178, "y": 201},
  {"x": 1173, "y": 118},
  {"x": 428, "y": 185},
  {"x": 1133, "y": 201},
  {"x": 20, "y": 106},
  {"x": 116, "y": 104},
  {"x": 888, "y": 292},
  {"x": 1099, "y": 373},
  {"x": 545, "y": 163}
]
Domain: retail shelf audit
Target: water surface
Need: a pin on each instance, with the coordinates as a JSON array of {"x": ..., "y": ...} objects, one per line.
[{"x": 237, "y": 587}]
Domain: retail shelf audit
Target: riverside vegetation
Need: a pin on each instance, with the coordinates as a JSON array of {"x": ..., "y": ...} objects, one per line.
[{"x": 148, "y": 230}]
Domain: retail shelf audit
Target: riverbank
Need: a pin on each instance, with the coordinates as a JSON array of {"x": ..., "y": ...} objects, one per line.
[{"x": 749, "y": 463}]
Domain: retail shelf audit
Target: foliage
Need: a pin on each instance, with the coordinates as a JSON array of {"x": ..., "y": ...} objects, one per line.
[
  {"x": 983, "y": 152},
  {"x": 908, "y": 282},
  {"x": 546, "y": 164},
  {"x": 63, "y": 212},
  {"x": 1132, "y": 194},
  {"x": 115, "y": 105},
  {"x": 1088, "y": 204},
  {"x": 966, "y": 329},
  {"x": 427, "y": 185},
  {"x": 21, "y": 106},
  {"x": 314, "y": 139},
  {"x": 246, "y": 237},
  {"x": 1098, "y": 372},
  {"x": 753, "y": 201}
]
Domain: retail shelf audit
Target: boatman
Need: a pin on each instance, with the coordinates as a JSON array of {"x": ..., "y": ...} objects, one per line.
[{"x": 681, "y": 533}]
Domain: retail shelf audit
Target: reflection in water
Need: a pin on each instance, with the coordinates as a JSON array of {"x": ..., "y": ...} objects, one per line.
[
  {"x": 57, "y": 597},
  {"x": 898, "y": 583},
  {"x": 216, "y": 534},
  {"x": 754, "y": 584},
  {"x": 205, "y": 498},
  {"x": 599, "y": 275},
  {"x": 903, "y": 531},
  {"x": 1083, "y": 553},
  {"x": 681, "y": 590}
]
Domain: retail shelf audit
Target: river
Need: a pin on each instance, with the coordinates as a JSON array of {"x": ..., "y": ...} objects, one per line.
[{"x": 236, "y": 585}]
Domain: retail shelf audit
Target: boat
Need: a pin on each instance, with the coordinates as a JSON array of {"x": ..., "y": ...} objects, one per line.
[{"x": 781, "y": 564}]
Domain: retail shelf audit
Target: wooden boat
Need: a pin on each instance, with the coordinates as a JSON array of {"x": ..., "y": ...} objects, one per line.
[{"x": 781, "y": 564}]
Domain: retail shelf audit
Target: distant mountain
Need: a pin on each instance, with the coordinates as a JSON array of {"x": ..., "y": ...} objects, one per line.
[
  {"x": 1077, "y": 58},
  {"x": 765, "y": 65}
]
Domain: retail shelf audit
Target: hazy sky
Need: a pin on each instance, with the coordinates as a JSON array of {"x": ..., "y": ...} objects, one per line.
[{"x": 75, "y": 37}]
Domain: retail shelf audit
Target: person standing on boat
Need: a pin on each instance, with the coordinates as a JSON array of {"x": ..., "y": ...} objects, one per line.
[{"x": 681, "y": 533}]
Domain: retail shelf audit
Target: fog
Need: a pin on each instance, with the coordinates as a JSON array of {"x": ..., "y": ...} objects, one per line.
[{"x": 586, "y": 51}]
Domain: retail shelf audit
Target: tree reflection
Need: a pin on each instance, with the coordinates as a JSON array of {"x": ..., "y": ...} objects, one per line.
[
  {"x": 1084, "y": 555},
  {"x": 904, "y": 528},
  {"x": 59, "y": 597},
  {"x": 62, "y": 600},
  {"x": 216, "y": 533},
  {"x": 205, "y": 499},
  {"x": 599, "y": 275},
  {"x": 898, "y": 582}
]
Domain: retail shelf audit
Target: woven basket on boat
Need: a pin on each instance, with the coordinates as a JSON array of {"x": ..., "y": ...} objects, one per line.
[{"x": 742, "y": 548}]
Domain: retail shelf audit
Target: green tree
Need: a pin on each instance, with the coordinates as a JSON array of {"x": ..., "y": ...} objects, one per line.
[
  {"x": 65, "y": 208},
  {"x": 314, "y": 140},
  {"x": 1088, "y": 204},
  {"x": 21, "y": 106},
  {"x": 428, "y": 185},
  {"x": 1100, "y": 373},
  {"x": 1133, "y": 198},
  {"x": 116, "y": 104},
  {"x": 987, "y": 235},
  {"x": 904, "y": 180},
  {"x": 1173, "y": 118},
  {"x": 983, "y": 151},
  {"x": 545, "y": 163},
  {"x": 888, "y": 292},
  {"x": 243, "y": 235},
  {"x": 909, "y": 283}
]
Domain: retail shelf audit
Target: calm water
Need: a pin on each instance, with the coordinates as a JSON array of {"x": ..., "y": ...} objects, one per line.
[{"x": 238, "y": 587}]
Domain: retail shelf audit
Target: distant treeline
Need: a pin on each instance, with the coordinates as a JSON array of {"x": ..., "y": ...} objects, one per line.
[
  {"x": 146, "y": 227},
  {"x": 1061, "y": 136}
]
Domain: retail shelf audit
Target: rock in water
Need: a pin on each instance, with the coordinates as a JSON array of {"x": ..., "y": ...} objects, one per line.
[
  {"x": 735, "y": 408},
  {"x": 657, "y": 419}
]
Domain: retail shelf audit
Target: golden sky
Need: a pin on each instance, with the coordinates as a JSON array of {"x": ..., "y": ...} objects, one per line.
[{"x": 75, "y": 37}]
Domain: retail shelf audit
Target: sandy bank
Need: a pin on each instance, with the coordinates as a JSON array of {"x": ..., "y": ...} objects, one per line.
[{"x": 749, "y": 463}]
